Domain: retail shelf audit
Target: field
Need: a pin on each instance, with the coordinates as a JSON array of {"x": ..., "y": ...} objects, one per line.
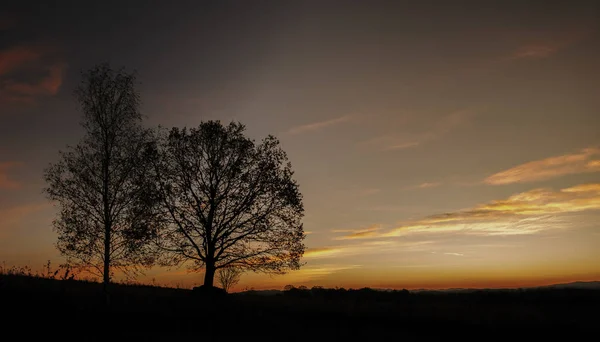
[{"x": 76, "y": 310}]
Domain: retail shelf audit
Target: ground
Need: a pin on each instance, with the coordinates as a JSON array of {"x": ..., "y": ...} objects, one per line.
[{"x": 76, "y": 310}]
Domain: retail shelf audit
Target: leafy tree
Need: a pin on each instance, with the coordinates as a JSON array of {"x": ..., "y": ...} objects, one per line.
[
  {"x": 229, "y": 202},
  {"x": 107, "y": 206},
  {"x": 229, "y": 277}
]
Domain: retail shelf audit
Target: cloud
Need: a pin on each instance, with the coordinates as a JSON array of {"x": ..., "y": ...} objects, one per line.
[
  {"x": 370, "y": 231},
  {"x": 10, "y": 217},
  {"x": 370, "y": 191},
  {"x": 453, "y": 254},
  {"x": 398, "y": 141},
  {"x": 379, "y": 246},
  {"x": 318, "y": 125},
  {"x": 574, "y": 163},
  {"x": 535, "y": 51},
  {"x": 309, "y": 273},
  {"x": 324, "y": 252},
  {"x": 543, "y": 44},
  {"x": 428, "y": 185},
  {"x": 5, "y": 181},
  {"x": 390, "y": 143},
  {"x": 28, "y": 72},
  {"x": 16, "y": 57},
  {"x": 522, "y": 213},
  {"x": 47, "y": 85}
]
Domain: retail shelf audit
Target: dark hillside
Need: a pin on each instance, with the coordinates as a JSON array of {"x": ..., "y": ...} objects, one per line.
[{"x": 74, "y": 309}]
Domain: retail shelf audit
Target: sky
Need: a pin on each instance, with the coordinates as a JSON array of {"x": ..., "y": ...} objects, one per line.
[{"x": 436, "y": 144}]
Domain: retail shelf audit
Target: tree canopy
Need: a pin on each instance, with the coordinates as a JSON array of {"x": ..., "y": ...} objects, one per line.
[
  {"x": 107, "y": 206},
  {"x": 228, "y": 202}
]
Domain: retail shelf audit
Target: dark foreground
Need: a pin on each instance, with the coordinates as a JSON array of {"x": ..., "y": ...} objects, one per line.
[{"x": 74, "y": 310}]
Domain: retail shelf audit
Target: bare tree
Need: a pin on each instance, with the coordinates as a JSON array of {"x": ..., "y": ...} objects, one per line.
[
  {"x": 229, "y": 202},
  {"x": 107, "y": 206},
  {"x": 229, "y": 277}
]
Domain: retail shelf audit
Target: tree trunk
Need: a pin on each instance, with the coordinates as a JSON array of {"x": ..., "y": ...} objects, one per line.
[
  {"x": 106, "y": 272},
  {"x": 209, "y": 275},
  {"x": 107, "y": 221}
]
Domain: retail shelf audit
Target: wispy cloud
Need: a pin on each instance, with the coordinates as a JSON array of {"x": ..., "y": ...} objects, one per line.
[
  {"x": 522, "y": 213},
  {"x": 5, "y": 181},
  {"x": 453, "y": 254},
  {"x": 535, "y": 51},
  {"x": 365, "y": 247},
  {"x": 12, "y": 216},
  {"x": 318, "y": 125},
  {"x": 48, "y": 85},
  {"x": 400, "y": 141},
  {"x": 370, "y": 191},
  {"x": 16, "y": 57},
  {"x": 19, "y": 63},
  {"x": 414, "y": 266},
  {"x": 323, "y": 252},
  {"x": 370, "y": 231},
  {"x": 391, "y": 142},
  {"x": 310, "y": 273},
  {"x": 429, "y": 185},
  {"x": 580, "y": 162},
  {"x": 538, "y": 45}
]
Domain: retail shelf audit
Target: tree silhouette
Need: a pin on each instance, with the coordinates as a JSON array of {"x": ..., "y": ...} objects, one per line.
[
  {"x": 229, "y": 202},
  {"x": 229, "y": 277},
  {"x": 107, "y": 206}
]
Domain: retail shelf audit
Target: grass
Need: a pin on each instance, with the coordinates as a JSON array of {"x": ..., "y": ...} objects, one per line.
[{"x": 77, "y": 309}]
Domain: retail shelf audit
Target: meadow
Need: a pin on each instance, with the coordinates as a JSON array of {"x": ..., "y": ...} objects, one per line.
[{"x": 75, "y": 309}]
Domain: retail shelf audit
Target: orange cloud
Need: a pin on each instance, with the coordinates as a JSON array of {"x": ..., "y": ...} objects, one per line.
[
  {"x": 523, "y": 213},
  {"x": 5, "y": 181},
  {"x": 359, "y": 234},
  {"x": 49, "y": 85},
  {"x": 17, "y": 63},
  {"x": 443, "y": 126},
  {"x": 370, "y": 191},
  {"x": 318, "y": 125},
  {"x": 309, "y": 273},
  {"x": 535, "y": 51},
  {"x": 10, "y": 217},
  {"x": 315, "y": 253},
  {"x": 14, "y": 58},
  {"x": 454, "y": 254},
  {"x": 390, "y": 143},
  {"x": 365, "y": 247},
  {"x": 537, "y": 45},
  {"x": 428, "y": 185},
  {"x": 548, "y": 168}
]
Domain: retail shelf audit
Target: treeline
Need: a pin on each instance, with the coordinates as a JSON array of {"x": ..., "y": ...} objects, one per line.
[
  {"x": 342, "y": 293},
  {"x": 542, "y": 296}
]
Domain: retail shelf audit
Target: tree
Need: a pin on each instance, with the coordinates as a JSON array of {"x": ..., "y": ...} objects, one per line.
[
  {"x": 229, "y": 277},
  {"x": 107, "y": 206},
  {"x": 229, "y": 202}
]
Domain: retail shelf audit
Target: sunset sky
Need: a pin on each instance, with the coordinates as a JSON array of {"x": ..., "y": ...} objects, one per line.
[{"x": 436, "y": 145}]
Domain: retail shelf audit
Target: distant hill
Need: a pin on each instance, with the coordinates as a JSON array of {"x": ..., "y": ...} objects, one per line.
[
  {"x": 587, "y": 285},
  {"x": 584, "y": 285}
]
